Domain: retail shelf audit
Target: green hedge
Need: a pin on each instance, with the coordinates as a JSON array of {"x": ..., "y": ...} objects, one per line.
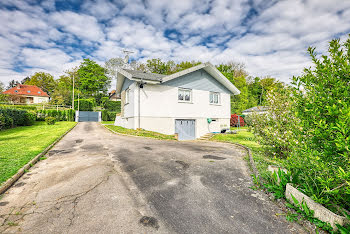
[
  {"x": 10, "y": 118},
  {"x": 112, "y": 106},
  {"x": 108, "y": 115},
  {"x": 60, "y": 115},
  {"x": 18, "y": 107},
  {"x": 85, "y": 104}
]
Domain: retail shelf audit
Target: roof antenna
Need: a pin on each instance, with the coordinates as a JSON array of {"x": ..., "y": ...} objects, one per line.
[{"x": 127, "y": 52}]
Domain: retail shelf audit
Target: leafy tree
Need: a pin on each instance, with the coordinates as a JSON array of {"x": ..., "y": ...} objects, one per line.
[
  {"x": 2, "y": 87},
  {"x": 93, "y": 79},
  {"x": 169, "y": 67},
  {"x": 12, "y": 83},
  {"x": 27, "y": 79},
  {"x": 43, "y": 80},
  {"x": 3, "y": 97},
  {"x": 323, "y": 107},
  {"x": 112, "y": 66}
]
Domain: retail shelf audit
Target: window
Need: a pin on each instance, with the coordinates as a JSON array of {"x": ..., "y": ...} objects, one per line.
[
  {"x": 127, "y": 96},
  {"x": 28, "y": 91},
  {"x": 185, "y": 95},
  {"x": 214, "y": 98}
]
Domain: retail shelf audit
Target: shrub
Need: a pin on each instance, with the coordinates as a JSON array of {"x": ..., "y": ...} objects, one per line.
[
  {"x": 60, "y": 115},
  {"x": 50, "y": 120},
  {"x": 30, "y": 118},
  {"x": 108, "y": 115},
  {"x": 85, "y": 104},
  {"x": 234, "y": 121},
  {"x": 112, "y": 106},
  {"x": 24, "y": 107},
  {"x": 15, "y": 117},
  {"x": 2, "y": 121}
]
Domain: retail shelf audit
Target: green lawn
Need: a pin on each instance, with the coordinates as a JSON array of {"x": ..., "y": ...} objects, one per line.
[
  {"x": 141, "y": 132},
  {"x": 19, "y": 145},
  {"x": 107, "y": 122},
  {"x": 248, "y": 139}
]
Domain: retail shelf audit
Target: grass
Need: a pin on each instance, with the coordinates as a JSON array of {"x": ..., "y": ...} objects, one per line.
[
  {"x": 246, "y": 138},
  {"x": 141, "y": 132},
  {"x": 107, "y": 122},
  {"x": 19, "y": 145}
]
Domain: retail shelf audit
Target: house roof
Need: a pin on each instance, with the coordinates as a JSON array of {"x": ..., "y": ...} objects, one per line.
[
  {"x": 144, "y": 75},
  {"x": 28, "y": 90},
  {"x": 257, "y": 109},
  {"x": 154, "y": 78}
]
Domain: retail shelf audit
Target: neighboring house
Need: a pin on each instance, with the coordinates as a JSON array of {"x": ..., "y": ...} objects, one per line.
[
  {"x": 191, "y": 103},
  {"x": 27, "y": 94},
  {"x": 256, "y": 109},
  {"x": 113, "y": 96}
]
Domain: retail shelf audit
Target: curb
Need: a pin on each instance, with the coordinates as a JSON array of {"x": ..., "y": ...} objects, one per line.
[
  {"x": 122, "y": 134},
  {"x": 8, "y": 183}
]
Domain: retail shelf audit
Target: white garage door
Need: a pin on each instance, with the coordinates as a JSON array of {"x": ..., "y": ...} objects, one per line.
[{"x": 185, "y": 128}]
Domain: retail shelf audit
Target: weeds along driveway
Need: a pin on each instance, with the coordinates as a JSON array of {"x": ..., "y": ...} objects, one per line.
[{"x": 96, "y": 181}]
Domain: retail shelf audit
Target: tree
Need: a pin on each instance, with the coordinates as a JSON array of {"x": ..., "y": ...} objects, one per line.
[
  {"x": 2, "y": 87},
  {"x": 43, "y": 80},
  {"x": 27, "y": 79},
  {"x": 236, "y": 74},
  {"x": 112, "y": 66},
  {"x": 12, "y": 83},
  {"x": 93, "y": 79}
]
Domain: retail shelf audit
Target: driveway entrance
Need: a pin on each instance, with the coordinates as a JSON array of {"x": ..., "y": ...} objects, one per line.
[{"x": 88, "y": 116}]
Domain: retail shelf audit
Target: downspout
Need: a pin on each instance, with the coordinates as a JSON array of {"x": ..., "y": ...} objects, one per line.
[{"x": 139, "y": 105}]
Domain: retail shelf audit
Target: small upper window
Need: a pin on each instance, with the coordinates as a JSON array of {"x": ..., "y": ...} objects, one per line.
[
  {"x": 39, "y": 92},
  {"x": 214, "y": 98},
  {"x": 16, "y": 91},
  {"x": 185, "y": 95},
  {"x": 28, "y": 91}
]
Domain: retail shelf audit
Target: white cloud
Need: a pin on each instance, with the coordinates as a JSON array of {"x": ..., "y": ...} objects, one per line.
[{"x": 82, "y": 26}]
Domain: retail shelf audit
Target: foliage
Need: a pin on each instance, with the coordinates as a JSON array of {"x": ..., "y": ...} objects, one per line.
[
  {"x": 140, "y": 132},
  {"x": 109, "y": 115},
  {"x": 24, "y": 107},
  {"x": 84, "y": 104},
  {"x": 308, "y": 126},
  {"x": 50, "y": 120},
  {"x": 276, "y": 183},
  {"x": 323, "y": 106},
  {"x": 234, "y": 121},
  {"x": 169, "y": 67},
  {"x": 62, "y": 94},
  {"x": 43, "y": 80},
  {"x": 345, "y": 229},
  {"x": 30, "y": 118},
  {"x": 16, "y": 117},
  {"x": 112, "y": 106},
  {"x": 12, "y": 83},
  {"x": 274, "y": 130},
  {"x": 19, "y": 145},
  {"x": 92, "y": 79},
  {"x": 59, "y": 115}
]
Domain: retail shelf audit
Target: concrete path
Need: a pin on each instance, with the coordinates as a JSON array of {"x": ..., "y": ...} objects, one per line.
[{"x": 97, "y": 182}]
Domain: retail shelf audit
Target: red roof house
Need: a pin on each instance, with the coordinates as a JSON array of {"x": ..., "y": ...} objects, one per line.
[{"x": 27, "y": 94}]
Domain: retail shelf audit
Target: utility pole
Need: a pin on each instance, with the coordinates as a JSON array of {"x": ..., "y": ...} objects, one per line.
[{"x": 73, "y": 93}]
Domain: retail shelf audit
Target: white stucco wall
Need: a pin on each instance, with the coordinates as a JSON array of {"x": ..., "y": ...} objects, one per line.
[
  {"x": 160, "y": 108},
  {"x": 40, "y": 99}
]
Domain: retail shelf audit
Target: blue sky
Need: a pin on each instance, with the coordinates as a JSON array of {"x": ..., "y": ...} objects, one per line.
[{"x": 269, "y": 37}]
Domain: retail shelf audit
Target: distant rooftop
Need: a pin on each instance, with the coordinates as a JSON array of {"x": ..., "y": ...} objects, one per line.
[{"x": 257, "y": 109}]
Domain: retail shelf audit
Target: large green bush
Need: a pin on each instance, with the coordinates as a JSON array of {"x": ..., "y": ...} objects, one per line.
[
  {"x": 50, "y": 120},
  {"x": 24, "y": 107},
  {"x": 108, "y": 115},
  {"x": 60, "y": 115},
  {"x": 16, "y": 117},
  {"x": 112, "y": 106},
  {"x": 308, "y": 128},
  {"x": 85, "y": 104}
]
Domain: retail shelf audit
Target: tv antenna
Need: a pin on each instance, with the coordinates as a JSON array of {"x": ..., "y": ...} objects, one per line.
[{"x": 127, "y": 52}]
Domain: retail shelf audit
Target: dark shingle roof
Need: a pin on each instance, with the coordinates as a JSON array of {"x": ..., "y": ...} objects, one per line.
[{"x": 145, "y": 75}]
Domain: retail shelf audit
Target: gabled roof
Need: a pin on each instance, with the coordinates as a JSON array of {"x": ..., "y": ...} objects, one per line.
[
  {"x": 154, "y": 78},
  {"x": 28, "y": 90}
]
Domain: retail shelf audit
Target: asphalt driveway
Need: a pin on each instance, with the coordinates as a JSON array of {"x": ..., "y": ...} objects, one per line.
[{"x": 95, "y": 181}]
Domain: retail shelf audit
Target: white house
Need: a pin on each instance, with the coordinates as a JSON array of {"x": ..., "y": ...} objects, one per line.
[{"x": 191, "y": 103}]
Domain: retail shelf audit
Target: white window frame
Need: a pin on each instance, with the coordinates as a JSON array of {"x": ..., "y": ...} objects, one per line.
[
  {"x": 183, "y": 91},
  {"x": 212, "y": 98},
  {"x": 127, "y": 96}
]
